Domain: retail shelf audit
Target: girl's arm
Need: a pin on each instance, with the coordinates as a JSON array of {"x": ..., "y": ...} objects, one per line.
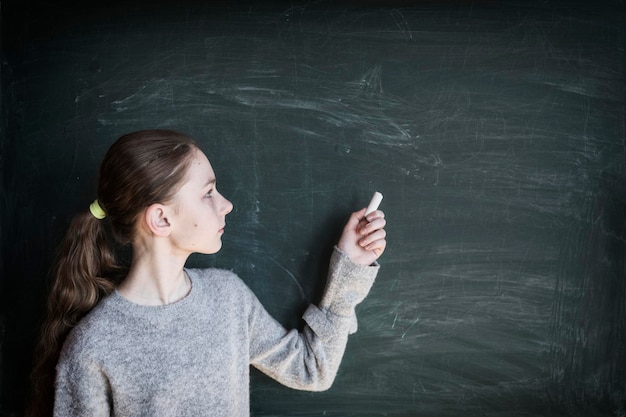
[{"x": 309, "y": 360}]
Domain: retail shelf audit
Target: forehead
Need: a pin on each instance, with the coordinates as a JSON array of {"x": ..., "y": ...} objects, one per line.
[{"x": 200, "y": 169}]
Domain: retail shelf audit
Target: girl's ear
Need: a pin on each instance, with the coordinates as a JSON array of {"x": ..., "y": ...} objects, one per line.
[{"x": 155, "y": 219}]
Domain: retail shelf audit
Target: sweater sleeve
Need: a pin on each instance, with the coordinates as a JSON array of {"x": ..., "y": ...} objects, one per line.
[
  {"x": 81, "y": 388},
  {"x": 309, "y": 360}
]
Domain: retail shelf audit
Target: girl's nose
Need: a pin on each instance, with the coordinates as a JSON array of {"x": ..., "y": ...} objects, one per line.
[{"x": 227, "y": 206}]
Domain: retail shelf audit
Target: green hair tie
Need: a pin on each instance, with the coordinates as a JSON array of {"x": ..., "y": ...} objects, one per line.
[{"x": 96, "y": 210}]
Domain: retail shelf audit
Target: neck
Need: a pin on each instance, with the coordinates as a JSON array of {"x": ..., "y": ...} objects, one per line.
[{"x": 155, "y": 278}]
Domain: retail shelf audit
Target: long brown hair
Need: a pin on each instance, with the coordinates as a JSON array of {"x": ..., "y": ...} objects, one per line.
[{"x": 139, "y": 169}]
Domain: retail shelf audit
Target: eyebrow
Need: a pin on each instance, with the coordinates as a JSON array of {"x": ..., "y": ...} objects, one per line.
[{"x": 211, "y": 181}]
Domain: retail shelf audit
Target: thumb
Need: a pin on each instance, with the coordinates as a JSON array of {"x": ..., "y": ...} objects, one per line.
[{"x": 355, "y": 218}]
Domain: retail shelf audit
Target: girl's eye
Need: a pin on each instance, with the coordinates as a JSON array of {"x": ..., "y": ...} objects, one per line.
[{"x": 209, "y": 194}]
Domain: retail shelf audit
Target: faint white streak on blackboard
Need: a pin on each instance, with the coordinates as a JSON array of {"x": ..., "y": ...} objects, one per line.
[
  {"x": 292, "y": 276},
  {"x": 402, "y": 23},
  {"x": 361, "y": 105},
  {"x": 410, "y": 327}
]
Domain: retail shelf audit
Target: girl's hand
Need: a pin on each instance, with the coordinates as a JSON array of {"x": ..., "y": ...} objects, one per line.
[{"x": 363, "y": 239}]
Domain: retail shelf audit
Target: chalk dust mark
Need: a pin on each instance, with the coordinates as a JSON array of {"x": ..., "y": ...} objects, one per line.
[
  {"x": 402, "y": 23},
  {"x": 292, "y": 276}
]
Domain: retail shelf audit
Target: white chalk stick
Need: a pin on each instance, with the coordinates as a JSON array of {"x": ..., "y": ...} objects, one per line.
[{"x": 374, "y": 203}]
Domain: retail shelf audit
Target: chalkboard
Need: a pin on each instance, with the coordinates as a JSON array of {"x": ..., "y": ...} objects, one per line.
[{"x": 495, "y": 130}]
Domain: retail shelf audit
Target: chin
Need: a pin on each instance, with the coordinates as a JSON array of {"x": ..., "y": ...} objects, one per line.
[{"x": 213, "y": 249}]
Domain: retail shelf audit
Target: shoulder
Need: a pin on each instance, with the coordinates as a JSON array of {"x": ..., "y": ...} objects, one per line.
[
  {"x": 214, "y": 279},
  {"x": 90, "y": 335},
  {"x": 222, "y": 289}
]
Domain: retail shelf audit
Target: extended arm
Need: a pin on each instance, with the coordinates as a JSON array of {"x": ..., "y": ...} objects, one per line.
[{"x": 309, "y": 360}]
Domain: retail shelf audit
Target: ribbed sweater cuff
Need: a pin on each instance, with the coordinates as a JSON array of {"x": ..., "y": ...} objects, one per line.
[{"x": 347, "y": 285}]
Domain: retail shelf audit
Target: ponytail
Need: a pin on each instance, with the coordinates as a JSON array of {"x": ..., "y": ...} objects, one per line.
[{"x": 86, "y": 271}]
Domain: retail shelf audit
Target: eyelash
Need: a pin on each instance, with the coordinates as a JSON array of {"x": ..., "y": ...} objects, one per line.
[{"x": 209, "y": 194}]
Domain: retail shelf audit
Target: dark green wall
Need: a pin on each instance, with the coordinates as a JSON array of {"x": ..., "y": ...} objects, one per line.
[{"x": 496, "y": 132}]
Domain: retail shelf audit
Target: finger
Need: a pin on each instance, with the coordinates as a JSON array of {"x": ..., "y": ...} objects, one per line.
[
  {"x": 379, "y": 251},
  {"x": 369, "y": 240},
  {"x": 375, "y": 224},
  {"x": 354, "y": 219},
  {"x": 377, "y": 247},
  {"x": 375, "y": 215}
]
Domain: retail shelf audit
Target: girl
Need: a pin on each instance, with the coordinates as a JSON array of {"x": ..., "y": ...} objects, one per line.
[{"x": 160, "y": 339}]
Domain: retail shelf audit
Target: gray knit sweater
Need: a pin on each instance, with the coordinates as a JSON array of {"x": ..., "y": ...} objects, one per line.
[{"x": 192, "y": 357}]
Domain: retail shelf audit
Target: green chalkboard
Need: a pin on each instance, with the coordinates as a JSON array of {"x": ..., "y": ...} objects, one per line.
[{"x": 495, "y": 130}]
